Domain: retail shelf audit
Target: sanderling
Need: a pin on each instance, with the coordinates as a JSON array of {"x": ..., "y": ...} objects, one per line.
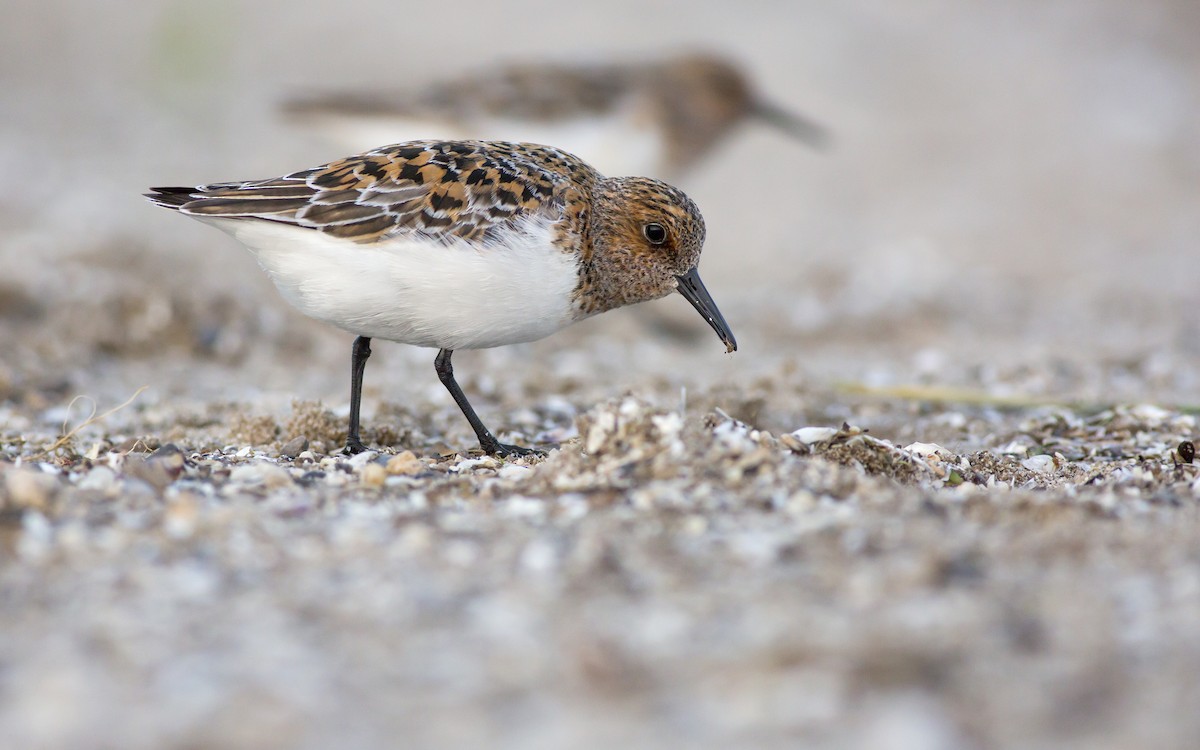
[
  {"x": 459, "y": 245},
  {"x": 656, "y": 118}
]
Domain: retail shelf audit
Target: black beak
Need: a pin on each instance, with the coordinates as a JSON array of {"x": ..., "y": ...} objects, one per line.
[
  {"x": 799, "y": 127},
  {"x": 692, "y": 288}
]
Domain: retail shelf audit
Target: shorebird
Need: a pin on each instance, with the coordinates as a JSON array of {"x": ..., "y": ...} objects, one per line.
[
  {"x": 652, "y": 118},
  {"x": 459, "y": 245}
]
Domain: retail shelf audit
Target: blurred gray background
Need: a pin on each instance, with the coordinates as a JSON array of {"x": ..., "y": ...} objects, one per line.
[{"x": 1012, "y": 184}]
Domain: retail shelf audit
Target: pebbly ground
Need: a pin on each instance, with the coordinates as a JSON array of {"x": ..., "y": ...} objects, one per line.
[
  {"x": 940, "y": 498},
  {"x": 221, "y": 576}
]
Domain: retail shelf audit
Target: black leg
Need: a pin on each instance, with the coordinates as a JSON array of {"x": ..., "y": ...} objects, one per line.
[
  {"x": 358, "y": 363},
  {"x": 487, "y": 441}
]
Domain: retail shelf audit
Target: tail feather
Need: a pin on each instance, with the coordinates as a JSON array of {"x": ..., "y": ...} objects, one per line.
[
  {"x": 171, "y": 197},
  {"x": 250, "y": 207},
  {"x": 226, "y": 201}
]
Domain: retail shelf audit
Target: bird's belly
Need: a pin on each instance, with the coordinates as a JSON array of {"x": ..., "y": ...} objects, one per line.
[{"x": 423, "y": 293}]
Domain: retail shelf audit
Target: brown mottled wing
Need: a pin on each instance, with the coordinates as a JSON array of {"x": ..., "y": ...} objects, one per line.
[
  {"x": 444, "y": 190},
  {"x": 520, "y": 91}
]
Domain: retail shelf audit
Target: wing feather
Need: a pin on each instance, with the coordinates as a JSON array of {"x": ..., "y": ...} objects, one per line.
[{"x": 466, "y": 190}]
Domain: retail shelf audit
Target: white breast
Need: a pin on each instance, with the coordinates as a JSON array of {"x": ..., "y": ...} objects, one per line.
[{"x": 454, "y": 296}]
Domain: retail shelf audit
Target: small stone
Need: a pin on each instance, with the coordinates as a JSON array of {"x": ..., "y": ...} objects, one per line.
[
  {"x": 262, "y": 474},
  {"x": 792, "y": 443},
  {"x": 928, "y": 450},
  {"x": 1014, "y": 449},
  {"x": 181, "y": 515},
  {"x": 373, "y": 475},
  {"x": 29, "y": 488},
  {"x": 525, "y": 507},
  {"x": 167, "y": 451},
  {"x": 1150, "y": 414},
  {"x": 811, "y": 435},
  {"x": 1186, "y": 452},
  {"x": 170, "y": 458},
  {"x": 360, "y": 460},
  {"x": 153, "y": 473},
  {"x": 100, "y": 479},
  {"x": 513, "y": 471},
  {"x": 294, "y": 447},
  {"x": 405, "y": 463},
  {"x": 1042, "y": 463},
  {"x": 483, "y": 462}
]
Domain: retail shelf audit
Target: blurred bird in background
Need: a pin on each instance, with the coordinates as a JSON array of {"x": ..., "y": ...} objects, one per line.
[{"x": 652, "y": 118}]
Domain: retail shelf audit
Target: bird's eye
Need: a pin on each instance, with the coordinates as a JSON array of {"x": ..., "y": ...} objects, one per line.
[{"x": 655, "y": 233}]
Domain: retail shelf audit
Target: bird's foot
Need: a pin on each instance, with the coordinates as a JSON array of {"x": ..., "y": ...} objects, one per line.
[
  {"x": 353, "y": 446},
  {"x": 504, "y": 450}
]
